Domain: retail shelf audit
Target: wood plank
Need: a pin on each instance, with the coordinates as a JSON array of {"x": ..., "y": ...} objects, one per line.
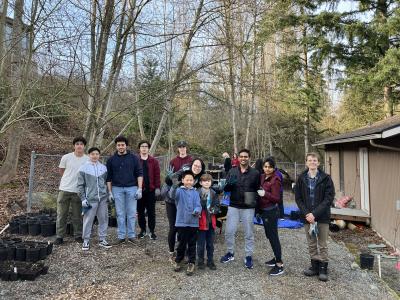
[{"x": 350, "y": 214}]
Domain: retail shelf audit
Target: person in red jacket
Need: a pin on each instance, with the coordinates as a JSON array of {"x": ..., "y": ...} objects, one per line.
[
  {"x": 207, "y": 222},
  {"x": 181, "y": 159},
  {"x": 235, "y": 160},
  {"x": 268, "y": 206},
  {"x": 151, "y": 190}
]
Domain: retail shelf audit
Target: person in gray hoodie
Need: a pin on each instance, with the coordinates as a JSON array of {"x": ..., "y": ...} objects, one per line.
[{"x": 92, "y": 190}]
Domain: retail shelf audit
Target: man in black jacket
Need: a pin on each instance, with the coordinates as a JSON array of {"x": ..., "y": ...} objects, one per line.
[
  {"x": 314, "y": 196},
  {"x": 242, "y": 182}
]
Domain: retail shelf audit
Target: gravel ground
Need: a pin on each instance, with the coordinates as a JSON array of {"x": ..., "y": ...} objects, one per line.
[{"x": 142, "y": 271}]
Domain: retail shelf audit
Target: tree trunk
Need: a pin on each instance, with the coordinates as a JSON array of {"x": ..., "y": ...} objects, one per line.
[
  {"x": 307, "y": 85},
  {"x": 177, "y": 79},
  {"x": 135, "y": 90},
  {"x": 388, "y": 103},
  {"x": 3, "y": 50}
]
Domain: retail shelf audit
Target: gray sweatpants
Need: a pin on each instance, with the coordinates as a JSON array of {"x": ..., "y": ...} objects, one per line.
[
  {"x": 99, "y": 209},
  {"x": 233, "y": 217}
]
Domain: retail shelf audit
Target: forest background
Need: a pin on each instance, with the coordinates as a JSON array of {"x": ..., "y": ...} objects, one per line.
[{"x": 273, "y": 76}]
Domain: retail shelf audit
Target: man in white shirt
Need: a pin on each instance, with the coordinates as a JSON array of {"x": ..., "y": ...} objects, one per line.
[{"x": 68, "y": 194}]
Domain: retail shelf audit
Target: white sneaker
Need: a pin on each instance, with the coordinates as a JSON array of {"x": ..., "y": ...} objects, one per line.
[
  {"x": 85, "y": 246},
  {"x": 104, "y": 244}
]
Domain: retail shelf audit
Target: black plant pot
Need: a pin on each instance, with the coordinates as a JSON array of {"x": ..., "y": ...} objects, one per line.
[
  {"x": 112, "y": 222},
  {"x": 34, "y": 228},
  {"x": 3, "y": 253},
  {"x": 13, "y": 276},
  {"x": 16, "y": 240},
  {"x": 43, "y": 251},
  {"x": 47, "y": 228},
  {"x": 11, "y": 252},
  {"x": 32, "y": 254},
  {"x": 20, "y": 253},
  {"x": 28, "y": 275},
  {"x": 45, "y": 270},
  {"x": 5, "y": 276},
  {"x": 49, "y": 248},
  {"x": 23, "y": 228}
]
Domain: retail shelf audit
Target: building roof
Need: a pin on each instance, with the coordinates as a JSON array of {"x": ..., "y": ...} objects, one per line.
[{"x": 379, "y": 130}]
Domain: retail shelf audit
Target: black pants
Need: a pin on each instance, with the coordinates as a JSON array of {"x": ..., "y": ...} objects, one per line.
[
  {"x": 187, "y": 240},
  {"x": 270, "y": 221},
  {"x": 148, "y": 203},
  {"x": 205, "y": 238},
  {"x": 171, "y": 215},
  {"x": 281, "y": 208}
]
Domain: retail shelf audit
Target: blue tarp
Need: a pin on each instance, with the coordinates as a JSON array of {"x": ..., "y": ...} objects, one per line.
[
  {"x": 282, "y": 223},
  {"x": 290, "y": 208}
]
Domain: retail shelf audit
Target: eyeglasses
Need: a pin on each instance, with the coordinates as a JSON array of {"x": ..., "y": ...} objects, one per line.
[
  {"x": 268, "y": 167},
  {"x": 243, "y": 156}
]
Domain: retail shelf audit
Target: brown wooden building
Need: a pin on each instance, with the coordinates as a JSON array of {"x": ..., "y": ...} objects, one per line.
[{"x": 365, "y": 164}]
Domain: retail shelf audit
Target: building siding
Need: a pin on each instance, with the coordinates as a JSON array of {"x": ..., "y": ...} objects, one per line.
[{"x": 352, "y": 175}]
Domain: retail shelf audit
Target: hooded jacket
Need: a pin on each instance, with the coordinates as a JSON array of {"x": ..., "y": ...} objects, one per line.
[
  {"x": 92, "y": 181},
  {"x": 324, "y": 195},
  {"x": 154, "y": 172},
  {"x": 187, "y": 204},
  {"x": 272, "y": 186}
]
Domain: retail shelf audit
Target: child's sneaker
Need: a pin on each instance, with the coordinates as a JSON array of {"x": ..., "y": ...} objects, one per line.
[
  {"x": 190, "y": 269},
  {"x": 248, "y": 262},
  {"x": 104, "y": 244},
  {"x": 211, "y": 265},
  {"x": 177, "y": 266},
  {"x": 85, "y": 246},
  {"x": 276, "y": 270},
  {"x": 227, "y": 257},
  {"x": 153, "y": 236}
]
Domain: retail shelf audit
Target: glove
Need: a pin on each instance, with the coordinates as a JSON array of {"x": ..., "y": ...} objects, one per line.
[
  {"x": 85, "y": 203},
  {"x": 261, "y": 192},
  {"x": 111, "y": 198},
  {"x": 313, "y": 230},
  {"x": 157, "y": 192},
  {"x": 138, "y": 194}
]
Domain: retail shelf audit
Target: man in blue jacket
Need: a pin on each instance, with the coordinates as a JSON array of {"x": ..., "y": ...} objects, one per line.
[{"x": 124, "y": 182}]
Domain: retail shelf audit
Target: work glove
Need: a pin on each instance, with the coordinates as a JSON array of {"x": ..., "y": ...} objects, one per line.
[
  {"x": 138, "y": 194},
  {"x": 157, "y": 192},
  {"x": 261, "y": 192},
  {"x": 313, "y": 231},
  {"x": 111, "y": 198},
  {"x": 85, "y": 203}
]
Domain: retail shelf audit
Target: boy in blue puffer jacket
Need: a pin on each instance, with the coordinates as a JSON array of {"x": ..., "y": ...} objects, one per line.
[
  {"x": 92, "y": 190},
  {"x": 188, "y": 210}
]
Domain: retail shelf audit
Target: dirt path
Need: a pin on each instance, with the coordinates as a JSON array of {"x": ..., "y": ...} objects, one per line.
[{"x": 141, "y": 271}]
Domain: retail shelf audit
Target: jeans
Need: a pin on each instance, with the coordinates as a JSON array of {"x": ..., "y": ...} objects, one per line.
[
  {"x": 205, "y": 238},
  {"x": 186, "y": 244},
  {"x": 64, "y": 201},
  {"x": 318, "y": 247},
  {"x": 99, "y": 209},
  {"x": 125, "y": 207},
  {"x": 147, "y": 203},
  {"x": 171, "y": 215},
  {"x": 234, "y": 216},
  {"x": 270, "y": 222}
]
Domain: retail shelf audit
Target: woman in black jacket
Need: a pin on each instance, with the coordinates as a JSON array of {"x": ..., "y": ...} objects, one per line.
[{"x": 174, "y": 181}]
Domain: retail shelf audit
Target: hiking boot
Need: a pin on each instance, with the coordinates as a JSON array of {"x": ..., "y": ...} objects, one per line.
[
  {"x": 153, "y": 236},
  {"x": 59, "y": 241},
  {"x": 79, "y": 240},
  {"x": 85, "y": 246},
  {"x": 104, "y": 244},
  {"x": 276, "y": 270},
  {"x": 172, "y": 256},
  {"x": 248, "y": 262},
  {"x": 323, "y": 271},
  {"x": 119, "y": 242},
  {"x": 190, "y": 269},
  {"x": 313, "y": 270},
  {"x": 271, "y": 263},
  {"x": 227, "y": 257},
  {"x": 141, "y": 235},
  {"x": 132, "y": 240},
  {"x": 201, "y": 265},
  {"x": 211, "y": 265},
  {"x": 177, "y": 266}
]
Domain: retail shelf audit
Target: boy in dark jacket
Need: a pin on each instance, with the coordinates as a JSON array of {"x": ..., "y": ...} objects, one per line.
[
  {"x": 188, "y": 210},
  {"x": 314, "y": 195},
  {"x": 207, "y": 223}
]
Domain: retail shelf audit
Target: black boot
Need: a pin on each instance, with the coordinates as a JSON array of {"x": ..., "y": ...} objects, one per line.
[
  {"x": 323, "y": 271},
  {"x": 314, "y": 269}
]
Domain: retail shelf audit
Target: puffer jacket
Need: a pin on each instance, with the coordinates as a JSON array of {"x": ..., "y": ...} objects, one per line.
[
  {"x": 324, "y": 195},
  {"x": 187, "y": 204},
  {"x": 92, "y": 181}
]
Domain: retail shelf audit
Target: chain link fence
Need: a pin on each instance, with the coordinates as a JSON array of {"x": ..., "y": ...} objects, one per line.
[{"x": 44, "y": 176}]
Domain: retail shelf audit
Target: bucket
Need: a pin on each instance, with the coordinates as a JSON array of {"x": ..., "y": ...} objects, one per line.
[{"x": 366, "y": 261}]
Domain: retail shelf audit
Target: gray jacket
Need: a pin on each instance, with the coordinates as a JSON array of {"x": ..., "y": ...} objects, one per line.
[{"x": 92, "y": 181}]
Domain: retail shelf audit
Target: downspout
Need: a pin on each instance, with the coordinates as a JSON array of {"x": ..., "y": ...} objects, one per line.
[{"x": 383, "y": 146}]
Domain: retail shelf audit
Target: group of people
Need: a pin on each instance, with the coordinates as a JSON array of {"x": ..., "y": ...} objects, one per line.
[{"x": 132, "y": 181}]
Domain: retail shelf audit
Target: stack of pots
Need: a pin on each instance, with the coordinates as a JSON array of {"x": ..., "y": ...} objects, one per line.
[
  {"x": 30, "y": 251},
  {"x": 11, "y": 271},
  {"x": 33, "y": 224}
]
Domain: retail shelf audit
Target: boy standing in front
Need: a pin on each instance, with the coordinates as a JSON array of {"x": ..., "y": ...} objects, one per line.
[
  {"x": 207, "y": 223},
  {"x": 67, "y": 196},
  {"x": 314, "y": 196},
  {"x": 188, "y": 210},
  {"x": 92, "y": 190}
]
